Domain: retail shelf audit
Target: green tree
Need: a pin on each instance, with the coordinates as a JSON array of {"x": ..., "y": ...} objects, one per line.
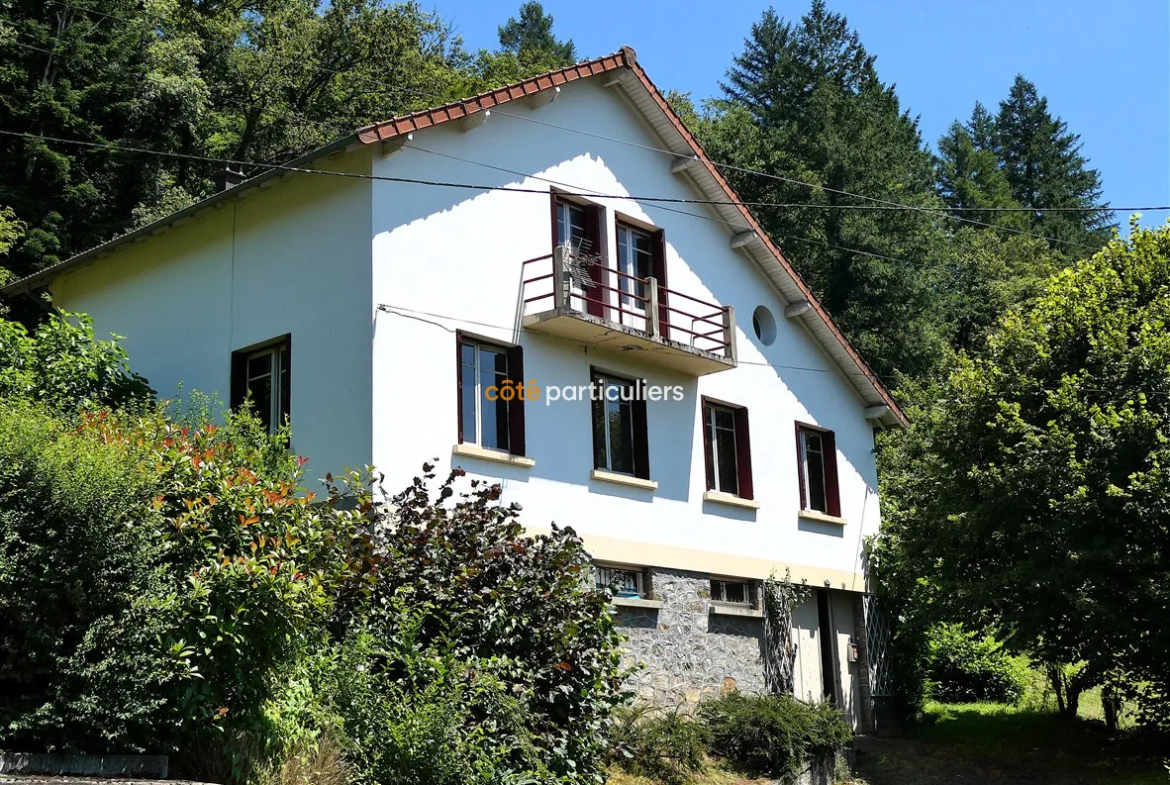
[
  {"x": 1043, "y": 164},
  {"x": 530, "y": 38},
  {"x": 73, "y": 74},
  {"x": 1030, "y": 492},
  {"x": 970, "y": 177},
  {"x": 803, "y": 100}
]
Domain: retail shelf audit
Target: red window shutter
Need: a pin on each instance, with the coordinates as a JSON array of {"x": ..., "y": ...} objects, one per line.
[
  {"x": 596, "y": 295},
  {"x": 459, "y": 380},
  {"x": 553, "y": 209},
  {"x": 239, "y": 380},
  {"x": 832, "y": 492},
  {"x": 516, "y": 444},
  {"x": 743, "y": 454},
  {"x": 708, "y": 447},
  {"x": 800, "y": 469},
  {"x": 641, "y": 433},
  {"x": 659, "y": 266}
]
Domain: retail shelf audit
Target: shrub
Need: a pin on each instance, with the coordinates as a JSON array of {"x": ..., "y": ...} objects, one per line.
[
  {"x": 66, "y": 367},
  {"x": 483, "y": 591},
  {"x": 965, "y": 667},
  {"x": 666, "y": 746},
  {"x": 772, "y": 735}
]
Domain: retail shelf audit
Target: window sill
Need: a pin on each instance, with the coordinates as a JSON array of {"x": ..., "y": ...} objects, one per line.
[
  {"x": 623, "y": 479},
  {"x": 719, "y": 609},
  {"x": 636, "y": 602},
  {"x": 499, "y": 456},
  {"x": 734, "y": 501},
  {"x": 820, "y": 517}
]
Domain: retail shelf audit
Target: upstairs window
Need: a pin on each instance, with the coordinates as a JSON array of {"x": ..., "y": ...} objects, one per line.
[
  {"x": 635, "y": 258},
  {"x": 491, "y": 412},
  {"x": 619, "y": 426},
  {"x": 579, "y": 226},
  {"x": 816, "y": 454},
  {"x": 727, "y": 449},
  {"x": 263, "y": 375}
]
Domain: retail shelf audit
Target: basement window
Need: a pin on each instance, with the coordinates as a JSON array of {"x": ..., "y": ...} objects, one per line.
[
  {"x": 730, "y": 592},
  {"x": 621, "y": 581}
]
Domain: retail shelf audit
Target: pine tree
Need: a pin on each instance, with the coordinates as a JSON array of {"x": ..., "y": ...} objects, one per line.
[
  {"x": 1043, "y": 164},
  {"x": 970, "y": 176},
  {"x": 530, "y": 38},
  {"x": 804, "y": 101}
]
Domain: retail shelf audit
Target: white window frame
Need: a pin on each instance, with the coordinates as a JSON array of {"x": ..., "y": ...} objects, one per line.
[
  {"x": 276, "y": 387},
  {"x": 804, "y": 459},
  {"x": 479, "y": 392},
  {"x": 625, "y": 235},
  {"x": 714, "y": 430},
  {"x": 747, "y": 592}
]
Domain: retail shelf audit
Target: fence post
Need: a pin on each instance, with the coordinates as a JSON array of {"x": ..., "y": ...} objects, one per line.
[
  {"x": 729, "y": 331},
  {"x": 652, "y": 326}
]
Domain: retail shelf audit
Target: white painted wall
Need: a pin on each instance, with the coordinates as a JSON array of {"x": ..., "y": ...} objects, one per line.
[
  {"x": 377, "y": 386},
  {"x": 292, "y": 258},
  {"x": 453, "y": 257}
]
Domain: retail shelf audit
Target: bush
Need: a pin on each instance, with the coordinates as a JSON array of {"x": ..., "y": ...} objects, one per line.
[
  {"x": 666, "y": 746},
  {"x": 482, "y": 591},
  {"x": 965, "y": 667},
  {"x": 774, "y": 736}
]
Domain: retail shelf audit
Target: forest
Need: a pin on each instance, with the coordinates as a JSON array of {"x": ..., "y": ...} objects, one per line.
[{"x": 1026, "y": 499}]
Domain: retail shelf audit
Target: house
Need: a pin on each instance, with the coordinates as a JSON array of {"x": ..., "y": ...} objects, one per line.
[{"x": 550, "y": 285}]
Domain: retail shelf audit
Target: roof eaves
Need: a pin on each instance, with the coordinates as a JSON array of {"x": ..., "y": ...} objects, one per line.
[{"x": 819, "y": 309}]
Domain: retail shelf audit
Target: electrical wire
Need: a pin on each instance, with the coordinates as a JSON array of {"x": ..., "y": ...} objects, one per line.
[{"x": 943, "y": 212}]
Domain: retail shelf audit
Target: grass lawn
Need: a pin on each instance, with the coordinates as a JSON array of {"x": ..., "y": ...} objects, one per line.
[{"x": 996, "y": 743}]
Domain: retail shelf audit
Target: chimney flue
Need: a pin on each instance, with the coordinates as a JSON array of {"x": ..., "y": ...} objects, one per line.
[{"x": 228, "y": 178}]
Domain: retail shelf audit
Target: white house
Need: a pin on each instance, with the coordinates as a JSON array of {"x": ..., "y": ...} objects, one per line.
[{"x": 565, "y": 234}]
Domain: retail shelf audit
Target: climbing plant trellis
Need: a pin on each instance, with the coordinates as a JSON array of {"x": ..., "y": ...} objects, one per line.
[{"x": 877, "y": 643}]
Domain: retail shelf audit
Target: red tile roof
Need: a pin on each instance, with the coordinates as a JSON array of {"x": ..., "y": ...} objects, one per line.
[{"x": 623, "y": 58}]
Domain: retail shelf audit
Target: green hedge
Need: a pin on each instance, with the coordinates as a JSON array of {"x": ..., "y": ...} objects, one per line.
[{"x": 965, "y": 667}]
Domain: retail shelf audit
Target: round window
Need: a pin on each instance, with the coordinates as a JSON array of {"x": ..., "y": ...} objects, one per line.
[{"x": 764, "y": 325}]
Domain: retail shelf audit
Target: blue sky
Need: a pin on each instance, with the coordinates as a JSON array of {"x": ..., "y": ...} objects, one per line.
[{"x": 1105, "y": 67}]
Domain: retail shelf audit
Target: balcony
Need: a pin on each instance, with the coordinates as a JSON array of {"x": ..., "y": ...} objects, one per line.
[{"x": 596, "y": 305}]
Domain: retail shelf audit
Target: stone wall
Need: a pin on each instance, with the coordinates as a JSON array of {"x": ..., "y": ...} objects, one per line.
[{"x": 689, "y": 652}]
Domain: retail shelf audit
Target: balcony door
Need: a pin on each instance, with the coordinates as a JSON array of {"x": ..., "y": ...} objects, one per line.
[{"x": 635, "y": 263}]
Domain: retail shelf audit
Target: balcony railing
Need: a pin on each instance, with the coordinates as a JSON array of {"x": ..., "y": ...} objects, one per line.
[{"x": 593, "y": 303}]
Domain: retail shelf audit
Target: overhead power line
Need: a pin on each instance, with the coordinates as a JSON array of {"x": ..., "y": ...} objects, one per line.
[
  {"x": 942, "y": 212},
  {"x": 656, "y": 201}
]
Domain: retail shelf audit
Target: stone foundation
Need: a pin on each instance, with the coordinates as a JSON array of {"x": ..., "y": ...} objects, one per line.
[{"x": 689, "y": 652}]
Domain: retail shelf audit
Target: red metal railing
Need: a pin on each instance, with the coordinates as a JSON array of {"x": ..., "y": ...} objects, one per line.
[{"x": 653, "y": 312}]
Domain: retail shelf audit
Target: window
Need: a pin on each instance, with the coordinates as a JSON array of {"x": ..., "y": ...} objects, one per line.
[
  {"x": 571, "y": 224},
  {"x": 579, "y": 226},
  {"x": 816, "y": 452},
  {"x": 730, "y": 592},
  {"x": 622, "y": 581},
  {"x": 635, "y": 258},
  {"x": 727, "y": 448},
  {"x": 491, "y": 415},
  {"x": 619, "y": 426},
  {"x": 263, "y": 375}
]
